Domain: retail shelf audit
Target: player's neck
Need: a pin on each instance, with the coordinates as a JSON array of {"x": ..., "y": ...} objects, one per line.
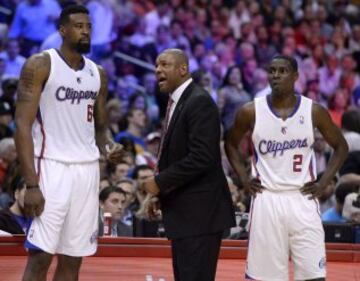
[
  {"x": 15, "y": 209},
  {"x": 283, "y": 100},
  {"x": 73, "y": 59}
]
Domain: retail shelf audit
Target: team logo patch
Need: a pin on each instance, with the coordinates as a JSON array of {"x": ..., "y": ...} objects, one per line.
[
  {"x": 78, "y": 80},
  {"x": 94, "y": 237},
  {"x": 322, "y": 263},
  {"x": 283, "y": 130},
  {"x": 301, "y": 119}
]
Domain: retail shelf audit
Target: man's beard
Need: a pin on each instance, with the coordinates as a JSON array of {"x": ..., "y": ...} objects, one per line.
[{"x": 82, "y": 48}]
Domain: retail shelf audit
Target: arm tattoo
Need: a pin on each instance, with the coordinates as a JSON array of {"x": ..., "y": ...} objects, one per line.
[{"x": 28, "y": 78}]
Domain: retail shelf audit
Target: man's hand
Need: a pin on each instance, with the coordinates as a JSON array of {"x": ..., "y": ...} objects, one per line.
[
  {"x": 33, "y": 202},
  {"x": 151, "y": 186},
  {"x": 114, "y": 152},
  {"x": 314, "y": 189},
  {"x": 151, "y": 208},
  {"x": 253, "y": 187}
]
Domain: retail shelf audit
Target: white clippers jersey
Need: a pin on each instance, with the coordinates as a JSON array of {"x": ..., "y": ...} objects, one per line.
[
  {"x": 283, "y": 158},
  {"x": 64, "y": 128}
]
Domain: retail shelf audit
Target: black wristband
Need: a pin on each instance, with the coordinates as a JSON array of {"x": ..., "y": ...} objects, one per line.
[{"x": 32, "y": 186}]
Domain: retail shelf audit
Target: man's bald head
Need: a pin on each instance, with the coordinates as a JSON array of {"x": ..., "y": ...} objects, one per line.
[
  {"x": 172, "y": 69},
  {"x": 179, "y": 55}
]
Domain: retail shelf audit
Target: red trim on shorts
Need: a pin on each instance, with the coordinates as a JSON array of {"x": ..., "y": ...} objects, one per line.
[
  {"x": 39, "y": 118},
  {"x": 254, "y": 160},
  {"x": 311, "y": 170}
]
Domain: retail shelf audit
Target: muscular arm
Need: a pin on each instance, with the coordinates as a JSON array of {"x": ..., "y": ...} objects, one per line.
[
  {"x": 333, "y": 136},
  {"x": 101, "y": 125},
  {"x": 244, "y": 121},
  {"x": 33, "y": 76}
]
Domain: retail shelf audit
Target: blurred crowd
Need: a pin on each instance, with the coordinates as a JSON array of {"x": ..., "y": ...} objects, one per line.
[{"x": 229, "y": 43}]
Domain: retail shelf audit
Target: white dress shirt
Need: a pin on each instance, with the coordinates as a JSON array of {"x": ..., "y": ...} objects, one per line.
[{"x": 176, "y": 95}]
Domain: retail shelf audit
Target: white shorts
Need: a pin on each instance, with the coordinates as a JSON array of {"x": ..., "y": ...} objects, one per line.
[
  {"x": 69, "y": 223},
  {"x": 282, "y": 224}
]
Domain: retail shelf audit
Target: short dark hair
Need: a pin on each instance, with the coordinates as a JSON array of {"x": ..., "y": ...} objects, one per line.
[
  {"x": 350, "y": 120},
  {"x": 293, "y": 63},
  {"x": 344, "y": 189},
  {"x": 69, "y": 10},
  {"x": 139, "y": 168},
  {"x": 111, "y": 167},
  {"x": 105, "y": 193}
]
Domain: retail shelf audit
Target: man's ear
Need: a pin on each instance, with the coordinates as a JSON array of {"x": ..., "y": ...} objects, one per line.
[
  {"x": 62, "y": 30},
  {"x": 183, "y": 69}
]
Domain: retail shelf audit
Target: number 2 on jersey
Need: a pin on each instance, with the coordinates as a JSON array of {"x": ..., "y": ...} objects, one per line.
[
  {"x": 90, "y": 112},
  {"x": 297, "y": 164}
]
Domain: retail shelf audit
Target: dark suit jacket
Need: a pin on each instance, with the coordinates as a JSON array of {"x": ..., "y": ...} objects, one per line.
[{"x": 194, "y": 194}]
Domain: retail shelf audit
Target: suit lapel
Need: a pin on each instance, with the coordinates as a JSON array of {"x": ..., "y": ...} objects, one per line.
[{"x": 177, "y": 111}]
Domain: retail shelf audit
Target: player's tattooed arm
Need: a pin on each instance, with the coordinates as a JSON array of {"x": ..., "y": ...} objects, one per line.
[
  {"x": 104, "y": 141},
  {"x": 32, "y": 78}
]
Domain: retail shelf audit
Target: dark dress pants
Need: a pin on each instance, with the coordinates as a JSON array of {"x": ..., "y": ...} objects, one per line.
[{"x": 195, "y": 258}]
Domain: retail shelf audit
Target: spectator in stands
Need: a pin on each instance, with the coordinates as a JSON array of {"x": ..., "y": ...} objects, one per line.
[
  {"x": 329, "y": 76},
  {"x": 234, "y": 95},
  {"x": 131, "y": 204},
  {"x": 351, "y": 210},
  {"x": 350, "y": 124},
  {"x": 34, "y": 21},
  {"x": 117, "y": 172},
  {"x": 9, "y": 87},
  {"x": 334, "y": 214},
  {"x": 159, "y": 16},
  {"x": 13, "y": 60},
  {"x": 12, "y": 220},
  {"x": 322, "y": 156},
  {"x": 102, "y": 18},
  {"x": 112, "y": 200},
  {"x": 136, "y": 124},
  {"x": 5, "y": 120},
  {"x": 264, "y": 49},
  {"x": 327, "y": 199},
  {"x": 115, "y": 115},
  {"x": 149, "y": 83},
  {"x": 238, "y": 15},
  {"x": 139, "y": 38},
  {"x": 7, "y": 156},
  {"x": 338, "y": 103},
  {"x": 140, "y": 174}
]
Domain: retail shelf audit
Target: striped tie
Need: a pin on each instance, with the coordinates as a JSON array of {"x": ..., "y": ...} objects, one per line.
[{"x": 164, "y": 131}]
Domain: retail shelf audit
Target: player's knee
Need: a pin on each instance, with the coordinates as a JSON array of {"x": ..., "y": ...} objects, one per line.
[
  {"x": 40, "y": 260},
  {"x": 38, "y": 263},
  {"x": 69, "y": 264}
]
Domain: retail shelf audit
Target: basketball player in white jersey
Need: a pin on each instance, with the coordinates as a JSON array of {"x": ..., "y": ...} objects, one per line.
[
  {"x": 61, "y": 126},
  {"x": 285, "y": 217}
]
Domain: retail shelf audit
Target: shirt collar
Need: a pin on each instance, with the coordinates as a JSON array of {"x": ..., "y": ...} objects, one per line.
[{"x": 176, "y": 95}]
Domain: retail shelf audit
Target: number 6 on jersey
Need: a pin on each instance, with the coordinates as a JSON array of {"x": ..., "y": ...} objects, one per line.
[{"x": 90, "y": 112}]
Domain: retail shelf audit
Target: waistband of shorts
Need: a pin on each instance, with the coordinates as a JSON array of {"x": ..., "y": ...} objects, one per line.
[
  {"x": 281, "y": 191},
  {"x": 66, "y": 162}
]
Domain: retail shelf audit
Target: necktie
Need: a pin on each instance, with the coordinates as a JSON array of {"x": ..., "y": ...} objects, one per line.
[{"x": 164, "y": 130}]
